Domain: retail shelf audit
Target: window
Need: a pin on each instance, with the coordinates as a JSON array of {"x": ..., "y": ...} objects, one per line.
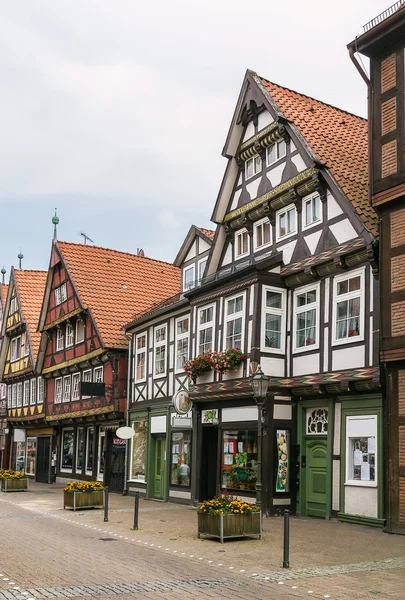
[
  {"x": 89, "y": 450},
  {"x": 76, "y": 386},
  {"x": 273, "y": 320},
  {"x": 9, "y": 395},
  {"x": 13, "y": 305},
  {"x": 138, "y": 454},
  {"x": 86, "y": 378},
  {"x": 262, "y": 234},
  {"x": 253, "y": 166},
  {"x": 306, "y": 327},
  {"x": 241, "y": 243},
  {"x": 348, "y": 307},
  {"x": 181, "y": 459},
  {"x": 201, "y": 268},
  {"x": 79, "y": 331},
  {"x": 58, "y": 390},
  {"x": 67, "y": 382},
  {"x": 79, "y": 449},
  {"x": 182, "y": 336},
  {"x": 31, "y": 455},
  {"x": 160, "y": 350},
  {"x": 317, "y": 421},
  {"x": 188, "y": 278},
  {"x": 69, "y": 335},
  {"x": 60, "y": 294},
  {"x": 276, "y": 151},
  {"x": 26, "y": 396},
  {"x": 33, "y": 399},
  {"x": 26, "y": 344},
  {"x": 98, "y": 375},
  {"x": 312, "y": 210},
  {"x": 140, "y": 357},
  {"x": 40, "y": 390},
  {"x": 14, "y": 396},
  {"x": 59, "y": 339},
  {"x": 205, "y": 328},
  {"x": 361, "y": 450},
  {"x": 286, "y": 222},
  {"x": 234, "y": 313},
  {"x": 19, "y": 394},
  {"x": 15, "y": 348},
  {"x": 239, "y": 460},
  {"x": 66, "y": 459}
]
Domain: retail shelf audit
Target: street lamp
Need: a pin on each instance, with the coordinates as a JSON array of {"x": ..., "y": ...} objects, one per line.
[{"x": 260, "y": 386}]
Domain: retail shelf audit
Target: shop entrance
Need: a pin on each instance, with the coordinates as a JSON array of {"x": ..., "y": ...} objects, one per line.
[
  {"x": 43, "y": 459},
  {"x": 160, "y": 467},
  {"x": 115, "y": 465},
  {"x": 209, "y": 457},
  {"x": 316, "y": 477}
]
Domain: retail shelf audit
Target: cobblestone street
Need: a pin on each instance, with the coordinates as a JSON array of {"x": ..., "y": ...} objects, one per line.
[{"x": 51, "y": 553}]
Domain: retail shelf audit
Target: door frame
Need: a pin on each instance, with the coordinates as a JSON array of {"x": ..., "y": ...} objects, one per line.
[
  {"x": 152, "y": 474},
  {"x": 41, "y": 437},
  {"x": 301, "y": 439}
]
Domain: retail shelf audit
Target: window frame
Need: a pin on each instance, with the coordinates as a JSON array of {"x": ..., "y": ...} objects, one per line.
[
  {"x": 60, "y": 294},
  {"x": 138, "y": 352},
  {"x": 233, "y": 317},
  {"x": 75, "y": 396},
  {"x": 26, "y": 344},
  {"x": 279, "y": 214},
  {"x": 14, "y": 341},
  {"x": 14, "y": 396},
  {"x": 279, "y": 157},
  {"x": 33, "y": 391},
  {"x": 13, "y": 305},
  {"x": 160, "y": 345},
  {"x": 201, "y": 275},
  {"x": 143, "y": 478},
  {"x": 71, "y": 330},
  {"x": 57, "y": 399},
  {"x": 299, "y": 310},
  {"x": 99, "y": 369},
  {"x": 67, "y": 379},
  {"x": 66, "y": 469},
  {"x": 348, "y": 296},
  {"x": 359, "y": 482},
  {"x": 85, "y": 380},
  {"x": 186, "y": 270},
  {"x": 238, "y": 234},
  {"x": 19, "y": 394},
  {"x": 26, "y": 397},
  {"x": 179, "y": 337},
  {"x": 40, "y": 390},
  {"x": 60, "y": 339},
  {"x": 256, "y": 226},
  {"x": 207, "y": 325},
  {"x": 279, "y": 312},
  {"x": 255, "y": 172},
  {"x": 305, "y": 200},
  {"x": 77, "y": 339}
]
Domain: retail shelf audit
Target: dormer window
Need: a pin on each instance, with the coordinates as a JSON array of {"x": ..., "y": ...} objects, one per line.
[
  {"x": 253, "y": 166},
  {"x": 276, "y": 151},
  {"x": 60, "y": 294},
  {"x": 188, "y": 278},
  {"x": 241, "y": 243}
]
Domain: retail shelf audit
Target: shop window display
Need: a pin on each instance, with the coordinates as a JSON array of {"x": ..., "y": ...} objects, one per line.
[
  {"x": 239, "y": 459},
  {"x": 138, "y": 466},
  {"x": 67, "y": 450},
  {"x": 31, "y": 455},
  {"x": 20, "y": 456},
  {"x": 181, "y": 458}
]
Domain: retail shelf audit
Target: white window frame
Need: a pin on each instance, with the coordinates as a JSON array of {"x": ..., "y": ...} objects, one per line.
[
  {"x": 191, "y": 285},
  {"x": 348, "y": 296},
  {"x": 233, "y": 317},
  {"x": 19, "y": 394},
  {"x": 9, "y": 395},
  {"x": 40, "y": 390},
  {"x": 86, "y": 379},
  {"x": 279, "y": 214},
  {"x": 279, "y": 312},
  {"x": 33, "y": 396},
  {"x": 239, "y": 234},
  {"x": 201, "y": 327},
  {"x": 88, "y": 430},
  {"x": 203, "y": 261},
  {"x": 60, "y": 294},
  {"x": 301, "y": 309},
  {"x": 13, "y": 350},
  {"x": 13, "y": 305},
  {"x": 64, "y": 469},
  {"x": 257, "y": 225},
  {"x": 14, "y": 396},
  {"x": 69, "y": 336},
  {"x": 157, "y": 345},
  {"x": 60, "y": 339},
  {"x": 26, "y": 393},
  {"x": 26, "y": 344},
  {"x": 67, "y": 388},
  {"x": 305, "y": 201},
  {"x": 79, "y": 340},
  {"x": 279, "y": 156},
  {"x": 98, "y": 374},
  {"x": 256, "y": 169},
  {"x": 58, "y": 393},
  {"x": 75, "y": 386},
  {"x": 373, "y": 433},
  {"x": 138, "y": 352},
  {"x": 180, "y": 337}
]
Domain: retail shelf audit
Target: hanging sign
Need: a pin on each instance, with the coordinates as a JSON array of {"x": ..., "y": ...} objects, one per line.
[
  {"x": 181, "y": 402},
  {"x": 125, "y": 433}
]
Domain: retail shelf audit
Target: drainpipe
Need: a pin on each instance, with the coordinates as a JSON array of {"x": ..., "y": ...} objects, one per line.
[{"x": 125, "y": 490}]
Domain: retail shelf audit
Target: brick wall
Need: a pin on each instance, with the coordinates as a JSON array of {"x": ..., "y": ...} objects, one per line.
[
  {"x": 398, "y": 273},
  {"x": 388, "y": 116},
  {"x": 398, "y": 318},
  {"x": 401, "y": 392},
  {"x": 388, "y": 73},
  {"x": 402, "y": 499},
  {"x": 398, "y": 228},
  {"x": 389, "y": 158}
]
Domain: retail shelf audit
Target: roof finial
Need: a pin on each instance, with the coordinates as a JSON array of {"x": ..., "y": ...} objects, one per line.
[
  {"x": 20, "y": 257},
  {"x": 55, "y": 221},
  {"x": 3, "y": 274}
]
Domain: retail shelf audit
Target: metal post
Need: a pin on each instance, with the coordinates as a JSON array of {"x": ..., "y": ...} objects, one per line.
[
  {"x": 136, "y": 513},
  {"x": 259, "y": 455},
  {"x": 286, "y": 554},
  {"x": 105, "y": 504}
]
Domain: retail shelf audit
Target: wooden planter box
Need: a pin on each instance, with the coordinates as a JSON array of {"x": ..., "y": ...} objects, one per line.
[
  {"x": 14, "y": 485},
  {"x": 79, "y": 500},
  {"x": 230, "y": 526}
]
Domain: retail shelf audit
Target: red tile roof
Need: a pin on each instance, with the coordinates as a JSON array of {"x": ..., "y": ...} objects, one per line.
[
  {"x": 4, "y": 290},
  {"x": 338, "y": 139},
  {"x": 30, "y": 289},
  {"x": 207, "y": 232},
  {"x": 117, "y": 286}
]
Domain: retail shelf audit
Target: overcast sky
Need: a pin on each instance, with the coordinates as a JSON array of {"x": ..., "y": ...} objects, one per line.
[{"x": 116, "y": 112}]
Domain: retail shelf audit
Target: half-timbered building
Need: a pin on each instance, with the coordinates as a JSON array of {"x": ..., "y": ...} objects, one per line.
[
  {"x": 30, "y": 434},
  {"x": 161, "y": 449},
  {"x": 90, "y": 293},
  {"x": 3, "y": 387}
]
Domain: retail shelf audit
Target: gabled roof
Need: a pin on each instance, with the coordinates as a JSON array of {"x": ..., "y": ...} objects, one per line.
[
  {"x": 206, "y": 234},
  {"x": 30, "y": 289},
  {"x": 116, "y": 286},
  {"x": 209, "y": 233},
  {"x": 174, "y": 302},
  {"x": 337, "y": 138}
]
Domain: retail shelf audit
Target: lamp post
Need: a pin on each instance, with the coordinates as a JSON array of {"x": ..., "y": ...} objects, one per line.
[{"x": 260, "y": 386}]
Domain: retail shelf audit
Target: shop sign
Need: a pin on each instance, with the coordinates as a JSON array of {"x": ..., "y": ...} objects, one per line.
[
  {"x": 209, "y": 416},
  {"x": 181, "y": 402}
]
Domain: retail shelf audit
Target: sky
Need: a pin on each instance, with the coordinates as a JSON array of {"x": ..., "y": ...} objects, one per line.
[{"x": 116, "y": 113}]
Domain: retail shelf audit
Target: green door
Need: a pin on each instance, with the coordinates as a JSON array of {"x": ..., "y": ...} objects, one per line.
[
  {"x": 160, "y": 461},
  {"x": 316, "y": 477}
]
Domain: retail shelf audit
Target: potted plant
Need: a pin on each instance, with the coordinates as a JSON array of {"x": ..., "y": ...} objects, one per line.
[
  {"x": 13, "y": 481},
  {"x": 220, "y": 362},
  {"x": 83, "y": 494},
  {"x": 228, "y": 517}
]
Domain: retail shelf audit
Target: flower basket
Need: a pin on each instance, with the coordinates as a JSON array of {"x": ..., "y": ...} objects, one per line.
[
  {"x": 13, "y": 481},
  {"x": 78, "y": 500},
  {"x": 226, "y": 517},
  {"x": 219, "y": 362}
]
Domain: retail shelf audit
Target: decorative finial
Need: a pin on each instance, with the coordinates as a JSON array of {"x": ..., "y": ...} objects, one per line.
[
  {"x": 55, "y": 221},
  {"x": 20, "y": 257},
  {"x": 3, "y": 273}
]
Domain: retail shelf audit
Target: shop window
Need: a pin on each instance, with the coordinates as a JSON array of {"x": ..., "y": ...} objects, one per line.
[
  {"x": 66, "y": 463},
  {"x": 89, "y": 450},
  {"x": 182, "y": 339},
  {"x": 317, "y": 421},
  {"x": 31, "y": 455},
  {"x": 283, "y": 457},
  {"x": 361, "y": 450},
  {"x": 181, "y": 458},
  {"x": 20, "y": 456},
  {"x": 239, "y": 459},
  {"x": 79, "y": 449},
  {"x": 138, "y": 462}
]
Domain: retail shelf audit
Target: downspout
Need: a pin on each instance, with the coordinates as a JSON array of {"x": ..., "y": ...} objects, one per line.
[{"x": 125, "y": 490}]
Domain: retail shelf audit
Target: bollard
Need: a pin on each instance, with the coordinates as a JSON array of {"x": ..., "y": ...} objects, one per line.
[
  {"x": 286, "y": 554},
  {"x": 136, "y": 513},
  {"x": 105, "y": 505}
]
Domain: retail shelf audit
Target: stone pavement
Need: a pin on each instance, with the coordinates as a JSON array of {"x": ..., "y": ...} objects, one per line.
[{"x": 328, "y": 559}]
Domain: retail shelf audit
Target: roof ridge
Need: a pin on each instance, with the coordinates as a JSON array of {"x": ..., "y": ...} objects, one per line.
[
  {"x": 347, "y": 112},
  {"x": 30, "y": 271}
]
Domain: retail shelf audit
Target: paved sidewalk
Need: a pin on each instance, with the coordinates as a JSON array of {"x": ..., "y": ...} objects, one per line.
[{"x": 331, "y": 559}]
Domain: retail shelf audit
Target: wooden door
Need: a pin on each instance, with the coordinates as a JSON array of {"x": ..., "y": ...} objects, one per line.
[
  {"x": 43, "y": 459},
  {"x": 160, "y": 462},
  {"x": 316, "y": 477}
]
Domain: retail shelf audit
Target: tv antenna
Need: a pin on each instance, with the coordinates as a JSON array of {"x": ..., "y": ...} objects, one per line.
[{"x": 86, "y": 237}]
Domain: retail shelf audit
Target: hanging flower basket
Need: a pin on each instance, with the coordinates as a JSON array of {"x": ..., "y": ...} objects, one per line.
[
  {"x": 220, "y": 362},
  {"x": 13, "y": 481},
  {"x": 226, "y": 517},
  {"x": 83, "y": 494}
]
